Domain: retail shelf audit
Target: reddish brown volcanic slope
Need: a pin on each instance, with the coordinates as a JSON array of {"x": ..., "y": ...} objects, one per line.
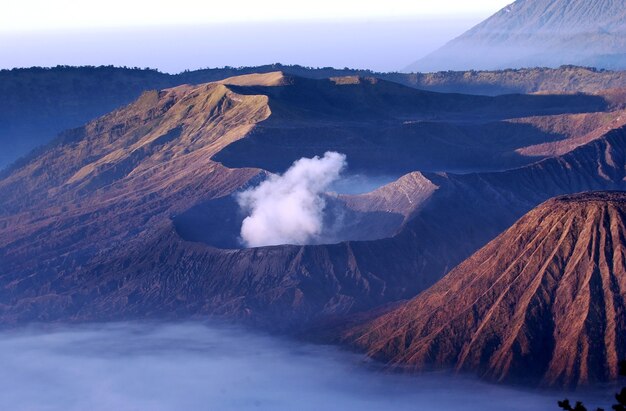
[
  {"x": 97, "y": 226},
  {"x": 545, "y": 301},
  {"x": 105, "y": 181},
  {"x": 580, "y": 129}
]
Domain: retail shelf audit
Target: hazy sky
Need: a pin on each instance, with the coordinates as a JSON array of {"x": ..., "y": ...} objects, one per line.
[{"x": 173, "y": 36}]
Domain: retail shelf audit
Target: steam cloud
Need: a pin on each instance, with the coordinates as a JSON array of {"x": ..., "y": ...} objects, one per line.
[
  {"x": 289, "y": 208},
  {"x": 193, "y": 366}
]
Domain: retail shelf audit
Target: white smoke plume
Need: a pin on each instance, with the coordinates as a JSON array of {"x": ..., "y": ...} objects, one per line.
[{"x": 289, "y": 208}]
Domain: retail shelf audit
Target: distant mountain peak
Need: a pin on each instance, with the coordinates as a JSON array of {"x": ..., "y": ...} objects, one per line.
[{"x": 539, "y": 33}]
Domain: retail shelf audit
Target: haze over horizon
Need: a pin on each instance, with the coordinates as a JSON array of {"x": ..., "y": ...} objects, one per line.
[
  {"x": 197, "y": 366},
  {"x": 367, "y": 35}
]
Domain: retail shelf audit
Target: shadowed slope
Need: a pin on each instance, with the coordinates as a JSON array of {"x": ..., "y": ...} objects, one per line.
[
  {"x": 38, "y": 103},
  {"x": 156, "y": 274},
  {"x": 408, "y": 129},
  {"x": 89, "y": 230}
]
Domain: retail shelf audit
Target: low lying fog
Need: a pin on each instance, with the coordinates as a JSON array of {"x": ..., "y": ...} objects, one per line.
[{"x": 198, "y": 367}]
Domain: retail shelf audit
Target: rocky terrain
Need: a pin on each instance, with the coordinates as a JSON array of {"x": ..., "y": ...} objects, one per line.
[
  {"x": 126, "y": 217},
  {"x": 133, "y": 215},
  {"x": 544, "y": 33},
  {"x": 544, "y": 301},
  {"x": 39, "y": 103}
]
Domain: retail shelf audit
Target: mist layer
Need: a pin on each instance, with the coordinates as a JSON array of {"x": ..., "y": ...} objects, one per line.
[{"x": 163, "y": 367}]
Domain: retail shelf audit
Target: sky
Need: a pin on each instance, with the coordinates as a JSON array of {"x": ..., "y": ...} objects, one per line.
[{"x": 174, "y": 36}]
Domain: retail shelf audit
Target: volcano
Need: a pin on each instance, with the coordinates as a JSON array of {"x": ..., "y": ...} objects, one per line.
[
  {"x": 543, "y": 33},
  {"x": 133, "y": 216},
  {"x": 543, "y": 302}
]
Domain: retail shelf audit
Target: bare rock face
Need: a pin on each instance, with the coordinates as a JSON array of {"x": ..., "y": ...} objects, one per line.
[
  {"x": 38, "y": 103},
  {"x": 545, "y": 302},
  {"x": 97, "y": 227}
]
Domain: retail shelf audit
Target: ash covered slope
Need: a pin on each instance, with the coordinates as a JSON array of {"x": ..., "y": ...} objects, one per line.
[
  {"x": 88, "y": 229},
  {"x": 38, "y": 103},
  {"x": 545, "y": 301},
  {"x": 408, "y": 129},
  {"x": 531, "y": 33}
]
